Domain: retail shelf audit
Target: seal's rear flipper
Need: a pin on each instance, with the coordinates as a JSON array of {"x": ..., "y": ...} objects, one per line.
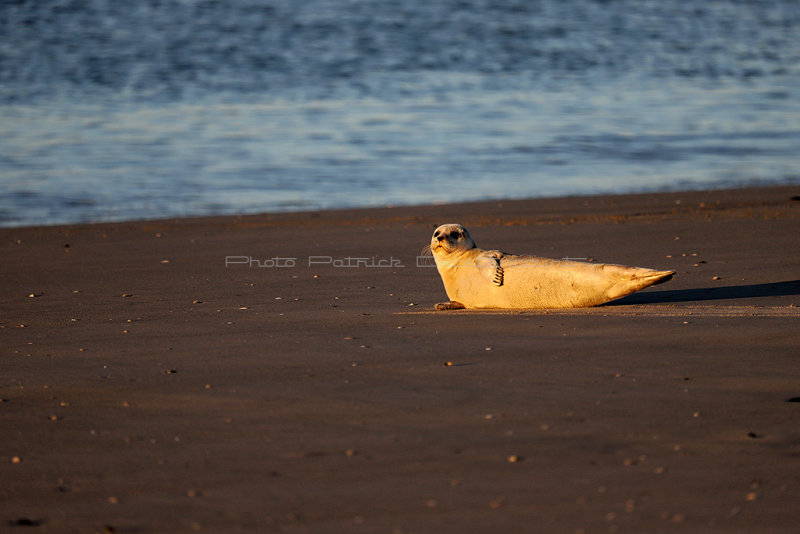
[
  {"x": 664, "y": 278},
  {"x": 630, "y": 279},
  {"x": 452, "y": 305}
]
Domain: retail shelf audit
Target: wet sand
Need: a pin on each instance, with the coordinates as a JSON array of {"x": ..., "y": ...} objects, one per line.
[{"x": 287, "y": 373}]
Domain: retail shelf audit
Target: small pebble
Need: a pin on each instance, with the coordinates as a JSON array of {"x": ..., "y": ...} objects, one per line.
[
  {"x": 448, "y": 364},
  {"x": 514, "y": 459},
  {"x": 16, "y": 460}
]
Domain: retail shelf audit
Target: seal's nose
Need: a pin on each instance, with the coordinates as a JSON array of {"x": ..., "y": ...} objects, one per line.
[{"x": 442, "y": 237}]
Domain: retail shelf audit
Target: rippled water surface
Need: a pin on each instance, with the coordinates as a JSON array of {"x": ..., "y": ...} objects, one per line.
[{"x": 159, "y": 108}]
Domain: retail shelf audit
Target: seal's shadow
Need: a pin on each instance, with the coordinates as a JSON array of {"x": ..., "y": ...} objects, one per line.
[{"x": 774, "y": 289}]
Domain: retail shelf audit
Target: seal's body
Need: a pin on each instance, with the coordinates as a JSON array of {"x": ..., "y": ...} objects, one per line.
[{"x": 475, "y": 278}]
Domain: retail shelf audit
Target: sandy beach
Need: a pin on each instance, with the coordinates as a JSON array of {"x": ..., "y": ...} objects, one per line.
[{"x": 287, "y": 373}]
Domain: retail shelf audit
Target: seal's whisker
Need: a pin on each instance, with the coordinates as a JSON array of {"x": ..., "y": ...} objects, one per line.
[{"x": 426, "y": 251}]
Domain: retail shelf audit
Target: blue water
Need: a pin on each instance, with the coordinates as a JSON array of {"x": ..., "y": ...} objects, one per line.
[{"x": 158, "y": 108}]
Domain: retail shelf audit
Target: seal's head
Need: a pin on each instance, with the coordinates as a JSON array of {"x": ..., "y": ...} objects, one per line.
[{"x": 450, "y": 238}]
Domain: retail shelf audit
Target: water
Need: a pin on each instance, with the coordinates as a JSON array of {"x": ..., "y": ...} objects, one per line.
[{"x": 159, "y": 108}]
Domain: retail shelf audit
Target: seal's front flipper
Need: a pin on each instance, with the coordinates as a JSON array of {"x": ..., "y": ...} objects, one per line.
[
  {"x": 488, "y": 263},
  {"x": 452, "y": 305}
]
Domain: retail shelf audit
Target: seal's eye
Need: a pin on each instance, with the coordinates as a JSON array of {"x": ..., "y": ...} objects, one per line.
[
  {"x": 454, "y": 234},
  {"x": 436, "y": 233}
]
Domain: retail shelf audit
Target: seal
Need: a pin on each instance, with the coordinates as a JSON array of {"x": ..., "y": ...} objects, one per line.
[{"x": 475, "y": 278}]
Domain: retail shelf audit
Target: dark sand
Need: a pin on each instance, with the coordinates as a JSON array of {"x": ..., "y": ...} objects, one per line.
[{"x": 148, "y": 388}]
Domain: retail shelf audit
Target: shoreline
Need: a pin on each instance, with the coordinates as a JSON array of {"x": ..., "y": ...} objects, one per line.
[
  {"x": 149, "y": 385},
  {"x": 787, "y": 185}
]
